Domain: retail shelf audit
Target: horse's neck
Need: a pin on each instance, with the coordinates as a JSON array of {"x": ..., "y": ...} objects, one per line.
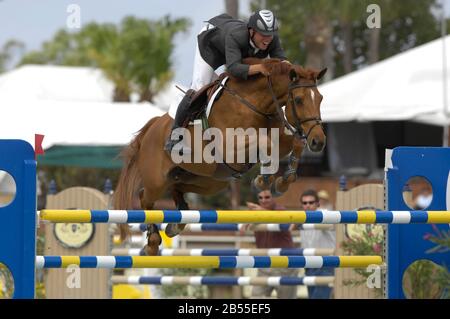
[{"x": 258, "y": 93}]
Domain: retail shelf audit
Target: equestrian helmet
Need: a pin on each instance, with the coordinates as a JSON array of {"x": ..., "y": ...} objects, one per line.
[{"x": 263, "y": 22}]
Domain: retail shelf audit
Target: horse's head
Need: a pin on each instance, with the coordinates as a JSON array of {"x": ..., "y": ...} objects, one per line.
[
  {"x": 303, "y": 106},
  {"x": 298, "y": 88}
]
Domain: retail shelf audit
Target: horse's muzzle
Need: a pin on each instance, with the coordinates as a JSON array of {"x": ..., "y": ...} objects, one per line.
[{"x": 317, "y": 144}]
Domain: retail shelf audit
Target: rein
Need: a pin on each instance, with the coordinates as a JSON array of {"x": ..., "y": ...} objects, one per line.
[
  {"x": 296, "y": 130},
  {"x": 268, "y": 116}
]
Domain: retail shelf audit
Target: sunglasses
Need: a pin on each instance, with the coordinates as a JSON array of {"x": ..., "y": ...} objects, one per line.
[
  {"x": 309, "y": 203},
  {"x": 266, "y": 197}
]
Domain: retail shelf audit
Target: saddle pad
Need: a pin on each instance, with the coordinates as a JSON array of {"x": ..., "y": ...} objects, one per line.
[
  {"x": 213, "y": 97},
  {"x": 174, "y": 105}
]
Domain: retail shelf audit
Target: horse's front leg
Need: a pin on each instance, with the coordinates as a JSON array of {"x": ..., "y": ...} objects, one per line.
[
  {"x": 174, "y": 229},
  {"x": 282, "y": 183},
  {"x": 266, "y": 146}
]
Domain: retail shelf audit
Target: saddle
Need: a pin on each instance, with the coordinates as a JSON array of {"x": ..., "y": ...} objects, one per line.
[{"x": 202, "y": 97}]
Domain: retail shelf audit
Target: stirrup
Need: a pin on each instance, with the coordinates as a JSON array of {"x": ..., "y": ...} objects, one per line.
[
  {"x": 168, "y": 147},
  {"x": 170, "y": 144}
]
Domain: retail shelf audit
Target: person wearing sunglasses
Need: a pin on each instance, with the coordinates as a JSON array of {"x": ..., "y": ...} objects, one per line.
[
  {"x": 312, "y": 238},
  {"x": 271, "y": 239}
]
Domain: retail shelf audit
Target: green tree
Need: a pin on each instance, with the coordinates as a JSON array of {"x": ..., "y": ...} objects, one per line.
[
  {"x": 405, "y": 24},
  {"x": 134, "y": 55},
  {"x": 334, "y": 33}
]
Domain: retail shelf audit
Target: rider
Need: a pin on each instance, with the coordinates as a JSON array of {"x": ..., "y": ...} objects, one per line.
[{"x": 226, "y": 41}]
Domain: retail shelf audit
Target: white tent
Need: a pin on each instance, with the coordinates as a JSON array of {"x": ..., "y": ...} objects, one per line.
[
  {"x": 71, "y": 106},
  {"x": 408, "y": 86},
  {"x": 60, "y": 83}
]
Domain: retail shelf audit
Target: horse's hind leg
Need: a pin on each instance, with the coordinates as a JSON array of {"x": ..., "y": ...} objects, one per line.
[
  {"x": 153, "y": 236},
  {"x": 174, "y": 229}
]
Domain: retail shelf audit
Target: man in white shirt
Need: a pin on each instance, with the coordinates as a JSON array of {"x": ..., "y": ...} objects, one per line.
[{"x": 313, "y": 238}]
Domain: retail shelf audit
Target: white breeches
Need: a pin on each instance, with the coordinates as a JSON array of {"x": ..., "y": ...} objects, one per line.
[{"x": 203, "y": 73}]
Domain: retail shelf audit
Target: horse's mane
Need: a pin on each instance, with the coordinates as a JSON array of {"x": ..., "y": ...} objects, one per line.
[{"x": 277, "y": 67}]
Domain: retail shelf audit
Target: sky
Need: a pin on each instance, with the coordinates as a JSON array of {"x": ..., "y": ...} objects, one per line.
[{"x": 35, "y": 21}]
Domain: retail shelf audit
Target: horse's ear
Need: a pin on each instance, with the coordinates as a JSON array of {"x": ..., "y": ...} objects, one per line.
[
  {"x": 293, "y": 75},
  {"x": 321, "y": 73}
]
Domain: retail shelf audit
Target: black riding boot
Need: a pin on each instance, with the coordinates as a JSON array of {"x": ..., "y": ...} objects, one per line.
[{"x": 181, "y": 116}]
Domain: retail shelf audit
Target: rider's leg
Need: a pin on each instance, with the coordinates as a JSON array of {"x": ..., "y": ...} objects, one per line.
[
  {"x": 203, "y": 74},
  {"x": 181, "y": 116}
]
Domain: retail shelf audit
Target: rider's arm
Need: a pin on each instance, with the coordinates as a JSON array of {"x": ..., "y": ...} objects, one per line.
[
  {"x": 233, "y": 58},
  {"x": 234, "y": 63},
  {"x": 257, "y": 68}
]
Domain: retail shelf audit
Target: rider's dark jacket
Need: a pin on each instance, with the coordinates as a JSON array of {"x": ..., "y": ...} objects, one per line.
[{"x": 228, "y": 42}]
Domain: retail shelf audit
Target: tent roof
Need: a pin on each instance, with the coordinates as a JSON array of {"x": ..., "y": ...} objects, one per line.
[
  {"x": 407, "y": 86},
  {"x": 70, "y": 106},
  {"x": 61, "y": 83},
  {"x": 75, "y": 123}
]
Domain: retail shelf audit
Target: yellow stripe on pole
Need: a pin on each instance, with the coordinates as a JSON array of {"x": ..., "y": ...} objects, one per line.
[
  {"x": 175, "y": 262},
  {"x": 279, "y": 261},
  {"x": 66, "y": 215},
  {"x": 366, "y": 216},
  {"x": 438, "y": 217},
  {"x": 69, "y": 260},
  {"x": 154, "y": 216},
  {"x": 359, "y": 261},
  {"x": 260, "y": 216}
]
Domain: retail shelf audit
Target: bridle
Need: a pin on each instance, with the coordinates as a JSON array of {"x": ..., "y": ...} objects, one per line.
[{"x": 296, "y": 129}]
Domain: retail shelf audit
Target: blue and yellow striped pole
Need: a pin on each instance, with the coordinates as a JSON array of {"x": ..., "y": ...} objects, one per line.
[
  {"x": 224, "y": 280},
  {"x": 218, "y": 262},
  {"x": 245, "y": 217},
  {"x": 228, "y": 252},
  {"x": 236, "y": 227}
]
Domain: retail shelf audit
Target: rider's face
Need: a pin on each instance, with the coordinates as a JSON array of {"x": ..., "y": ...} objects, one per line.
[{"x": 261, "y": 41}]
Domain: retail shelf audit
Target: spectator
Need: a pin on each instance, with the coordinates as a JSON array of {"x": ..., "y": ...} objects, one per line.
[
  {"x": 424, "y": 199},
  {"x": 313, "y": 238},
  {"x": 267, "y": 239}
]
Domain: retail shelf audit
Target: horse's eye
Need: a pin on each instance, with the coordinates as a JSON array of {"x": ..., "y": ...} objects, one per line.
[{"x": 298, "y": 100}]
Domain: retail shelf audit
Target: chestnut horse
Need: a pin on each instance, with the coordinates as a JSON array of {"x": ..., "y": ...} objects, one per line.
[{"x": 253, "y": 103}]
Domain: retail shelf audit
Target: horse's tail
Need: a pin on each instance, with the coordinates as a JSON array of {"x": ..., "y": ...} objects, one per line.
[{"x": 130, "y": 178}]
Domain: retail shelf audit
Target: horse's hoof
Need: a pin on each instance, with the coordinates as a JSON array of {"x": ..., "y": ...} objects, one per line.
[
  {"x": 259, "y": 184},
  {"x": 173, "y": 230},
  {"x": 274, "y": 190}
]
